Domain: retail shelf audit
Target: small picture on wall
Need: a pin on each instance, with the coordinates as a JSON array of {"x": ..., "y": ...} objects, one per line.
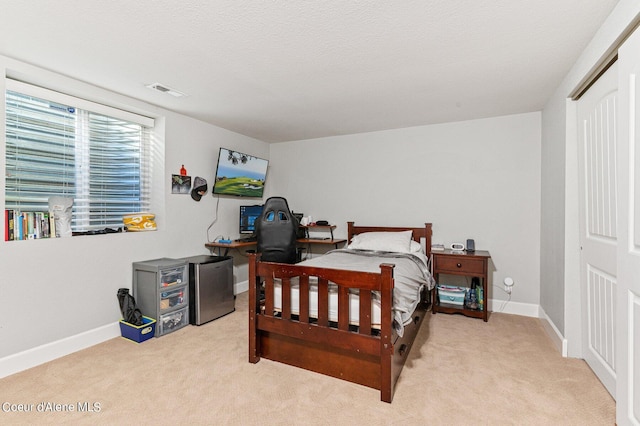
[{"x": 180, "y": 184}]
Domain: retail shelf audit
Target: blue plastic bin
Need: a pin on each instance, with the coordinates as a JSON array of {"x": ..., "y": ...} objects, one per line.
[{"x": 138, "y": 333}]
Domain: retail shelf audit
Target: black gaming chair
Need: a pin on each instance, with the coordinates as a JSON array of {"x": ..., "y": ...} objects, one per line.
[{"x": 276, "y": 232}]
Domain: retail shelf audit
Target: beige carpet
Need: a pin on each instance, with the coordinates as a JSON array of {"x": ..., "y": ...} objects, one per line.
[{"x": 461, "y": 371}]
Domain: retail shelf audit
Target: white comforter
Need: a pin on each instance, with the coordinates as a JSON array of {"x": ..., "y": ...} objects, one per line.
[{"x": 411, "y": 274}]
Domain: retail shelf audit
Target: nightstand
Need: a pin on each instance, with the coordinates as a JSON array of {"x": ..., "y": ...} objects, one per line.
[{"x": 468, "y": 264}]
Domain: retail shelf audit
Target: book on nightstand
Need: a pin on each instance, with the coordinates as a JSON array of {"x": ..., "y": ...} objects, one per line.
[{"x": 437, "y": 247}]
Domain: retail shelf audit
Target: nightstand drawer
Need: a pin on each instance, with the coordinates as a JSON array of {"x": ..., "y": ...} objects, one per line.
[{"x": 458, "y": 265}]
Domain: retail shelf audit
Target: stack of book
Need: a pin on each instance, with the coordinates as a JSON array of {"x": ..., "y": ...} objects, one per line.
[
  {"x": 20, "y": 225},
  {"x": 437, "y": 247}
]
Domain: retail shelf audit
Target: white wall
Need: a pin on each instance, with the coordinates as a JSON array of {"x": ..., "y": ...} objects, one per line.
[
  {"x": 53, "y": 291},
  {"x": 475, "y": 179},
  {"x": 552, "y": 220}
]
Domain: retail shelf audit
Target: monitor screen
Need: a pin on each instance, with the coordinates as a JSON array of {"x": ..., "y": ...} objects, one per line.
[
  {"x": 248, "y": 217},
  {"x": 239, "y": 174}
]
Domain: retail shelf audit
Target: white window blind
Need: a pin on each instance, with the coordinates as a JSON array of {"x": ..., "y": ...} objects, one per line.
[{"x": 100, "y": 159}]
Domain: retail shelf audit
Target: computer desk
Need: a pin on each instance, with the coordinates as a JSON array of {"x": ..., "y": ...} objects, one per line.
[{"x": 245, "y": 244}]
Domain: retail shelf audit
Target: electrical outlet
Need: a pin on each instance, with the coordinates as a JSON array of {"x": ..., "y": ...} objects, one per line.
[{"x": 508, "y": 284}]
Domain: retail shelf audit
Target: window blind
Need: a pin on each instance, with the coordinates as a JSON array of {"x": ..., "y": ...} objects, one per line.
[{"x": 100, "y": 160}]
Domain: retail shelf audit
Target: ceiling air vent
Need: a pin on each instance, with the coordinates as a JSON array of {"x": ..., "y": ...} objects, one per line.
[{"x": 166, "y": 89}]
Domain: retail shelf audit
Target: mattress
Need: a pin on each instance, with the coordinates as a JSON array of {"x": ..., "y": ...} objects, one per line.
[
  {"x": 354, "y": 303},
  {"x": 411, "y": 274}
]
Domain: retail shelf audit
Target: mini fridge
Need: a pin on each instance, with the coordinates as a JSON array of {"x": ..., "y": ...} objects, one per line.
[{"x": 210, "y": 287}]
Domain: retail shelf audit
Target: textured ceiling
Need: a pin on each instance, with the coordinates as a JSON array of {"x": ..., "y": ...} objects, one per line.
[{"x": 281, "y": 70}]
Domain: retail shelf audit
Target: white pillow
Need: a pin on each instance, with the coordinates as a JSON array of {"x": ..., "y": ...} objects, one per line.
[
  {"x": 383, "y": 241},
  {"x": 415, "y": 247}
]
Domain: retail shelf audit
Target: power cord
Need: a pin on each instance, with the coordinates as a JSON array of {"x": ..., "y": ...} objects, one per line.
[
  {"x": 504, "y": 302},
  {"x": 215, "y": 219}
]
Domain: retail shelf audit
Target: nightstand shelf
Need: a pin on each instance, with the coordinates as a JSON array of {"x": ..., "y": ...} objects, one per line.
[{"x": 468, "y": 264}]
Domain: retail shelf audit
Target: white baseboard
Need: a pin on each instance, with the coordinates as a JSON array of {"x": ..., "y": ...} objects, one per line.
[
  {"x": 32, "y": 357},
  {"x": 241, "y": 287},
  {"x": 558, "y": 339},
  {"x": 515, "y": 308}
]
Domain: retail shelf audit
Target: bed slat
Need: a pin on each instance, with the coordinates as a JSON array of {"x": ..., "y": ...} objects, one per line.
[
  {"x": 286, "y": 298},
  {"x": 323, "y": 302},
  {"x": 365, "y": 312},
  {"x": 304, "y": 299},
  {"x": 343, "y": 308},
  {"x": 268, "y": 290}
]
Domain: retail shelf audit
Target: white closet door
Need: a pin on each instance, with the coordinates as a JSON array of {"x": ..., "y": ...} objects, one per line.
[
  {"x": 628, "y": 294},
  {"x": 597, "y": 115}
]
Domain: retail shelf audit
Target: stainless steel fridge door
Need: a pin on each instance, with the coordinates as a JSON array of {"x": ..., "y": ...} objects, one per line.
[{"x": 213, "y": 290}]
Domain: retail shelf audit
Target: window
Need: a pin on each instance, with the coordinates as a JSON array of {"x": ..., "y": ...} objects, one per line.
[{"x": 58, "y": 145}]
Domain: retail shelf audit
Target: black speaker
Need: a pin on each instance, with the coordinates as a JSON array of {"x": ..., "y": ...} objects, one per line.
[{"x": 471, "y": 245}]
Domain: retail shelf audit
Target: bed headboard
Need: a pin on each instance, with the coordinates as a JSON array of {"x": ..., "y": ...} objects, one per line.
[{"x": 418, "y": 233}]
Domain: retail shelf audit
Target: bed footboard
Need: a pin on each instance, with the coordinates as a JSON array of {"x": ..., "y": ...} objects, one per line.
[{"x": 365, "y": 355}]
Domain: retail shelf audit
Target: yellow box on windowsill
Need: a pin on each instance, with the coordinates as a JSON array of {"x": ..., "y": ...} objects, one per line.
[{"x": 136, "y": 222}]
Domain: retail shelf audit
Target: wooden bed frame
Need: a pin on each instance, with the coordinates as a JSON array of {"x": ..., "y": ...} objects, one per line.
[{"x": 362, "y": 355}]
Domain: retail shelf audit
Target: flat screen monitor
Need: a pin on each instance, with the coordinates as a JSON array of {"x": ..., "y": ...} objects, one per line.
[
  {"x": 248, "y": 217},
  {"x": 239, "y": 174}
]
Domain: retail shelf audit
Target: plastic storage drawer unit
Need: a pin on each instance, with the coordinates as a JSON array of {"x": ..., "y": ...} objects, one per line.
[{"x": 161, "y": 288}]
